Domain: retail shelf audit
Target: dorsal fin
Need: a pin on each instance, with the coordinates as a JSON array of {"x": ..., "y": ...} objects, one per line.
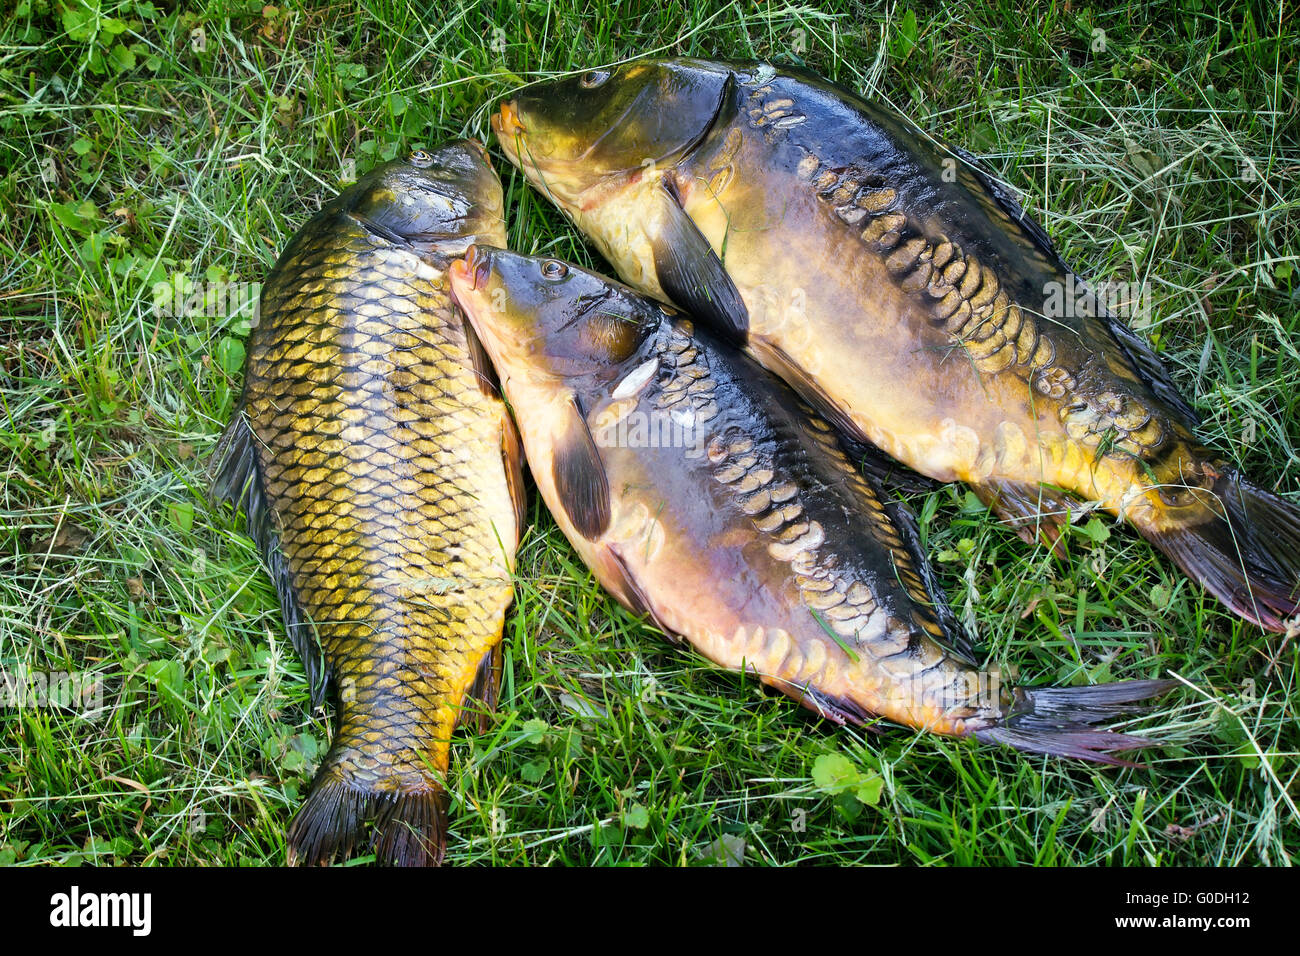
[{"x": 956, "y": 639}]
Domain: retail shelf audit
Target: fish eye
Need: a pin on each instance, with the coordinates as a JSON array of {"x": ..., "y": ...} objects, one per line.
[
  {"x": 421, "y": 158},
  {"x": 593, "y": 78},
  {"x": 554, "y": 270}
]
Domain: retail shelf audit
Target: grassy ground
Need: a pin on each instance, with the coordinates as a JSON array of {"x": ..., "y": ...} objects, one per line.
[{"x": 135, "y": 150}]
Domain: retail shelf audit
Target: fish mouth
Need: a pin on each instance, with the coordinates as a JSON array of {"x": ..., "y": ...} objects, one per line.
[
  {"x": 554, "y": 177},
  {"x": 481, "y": 150},
  {"x": 472, "y": 271},
  {"x": 506, "y": 121}
]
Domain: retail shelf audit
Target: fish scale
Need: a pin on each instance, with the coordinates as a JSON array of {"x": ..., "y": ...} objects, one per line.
[
  {"x": 355, "y": 572},
  {"x": 776, "y": 508},
  {"x": 386, "y": 466}
]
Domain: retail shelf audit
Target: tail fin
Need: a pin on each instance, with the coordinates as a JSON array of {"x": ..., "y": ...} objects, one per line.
[
  {"x": 407, "y": 829},
  {"x": 1246, "y": 552},
  {"x": 1061, "y": 720}
]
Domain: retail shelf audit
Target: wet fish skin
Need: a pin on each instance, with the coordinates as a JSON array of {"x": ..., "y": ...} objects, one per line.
[
  {"x": 902, "y": 291},
  {"x": 702, "y": 493},
  {"x": 380, "y": 474}
]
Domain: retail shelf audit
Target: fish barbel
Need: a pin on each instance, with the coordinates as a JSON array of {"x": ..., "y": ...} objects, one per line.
[
  {"x": 379, "y": 474},
  {"x": 903, "y": 292},
  {"x": 702, "y": 493}
]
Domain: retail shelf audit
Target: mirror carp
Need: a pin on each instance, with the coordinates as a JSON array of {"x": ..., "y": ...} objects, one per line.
[{"x": 703, "y": 494}]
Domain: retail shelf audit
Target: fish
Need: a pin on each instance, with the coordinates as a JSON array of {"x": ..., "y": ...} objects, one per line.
[
  {"x": 380, "y": 476},
  {"x": 904, "y": 292},
  {"x": 705, "y": 496}
]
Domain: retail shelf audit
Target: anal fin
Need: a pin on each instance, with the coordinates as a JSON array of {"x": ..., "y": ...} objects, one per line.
[
  {"x": 483, "y": 692},
  {"x": 1036, "y": 512},
  {"x": 837, "y": 710}
]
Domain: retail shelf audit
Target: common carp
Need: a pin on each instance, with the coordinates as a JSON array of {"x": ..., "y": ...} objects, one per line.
[
  {"x": 902, "y": 291},
  {"x": 380, "y": 475},
  {"x": 703, "y": 494}
]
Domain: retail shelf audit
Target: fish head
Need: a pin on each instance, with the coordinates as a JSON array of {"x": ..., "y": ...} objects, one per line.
[
  {"x": 548, "y": 321},
  {"x": 574, "y": 132},
  {"x": 438, "y": 202}
]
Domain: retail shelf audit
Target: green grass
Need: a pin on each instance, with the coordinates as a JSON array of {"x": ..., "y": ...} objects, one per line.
[{"x": 129, "y": 157}]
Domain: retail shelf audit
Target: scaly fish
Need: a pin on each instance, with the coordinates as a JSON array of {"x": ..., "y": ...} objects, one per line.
[
  {"x": 380, "y": 476},
  {"x": 906, "y": 294},
  {"x": 702, "y": 493}
]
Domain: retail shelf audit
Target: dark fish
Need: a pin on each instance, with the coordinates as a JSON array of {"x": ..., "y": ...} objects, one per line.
[
  {"x": 905, "y": 293},
  {"x": 702, "y": 493},
  {"x": 380, "y": 476}
]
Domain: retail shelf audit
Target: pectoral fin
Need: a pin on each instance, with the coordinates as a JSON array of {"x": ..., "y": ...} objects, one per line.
[
  {"x": 512, "y": 457},
  {"x": 579, "y": 475},
  {"x": 478, "y": 359},
  {"x": 693, "y": 276}
]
